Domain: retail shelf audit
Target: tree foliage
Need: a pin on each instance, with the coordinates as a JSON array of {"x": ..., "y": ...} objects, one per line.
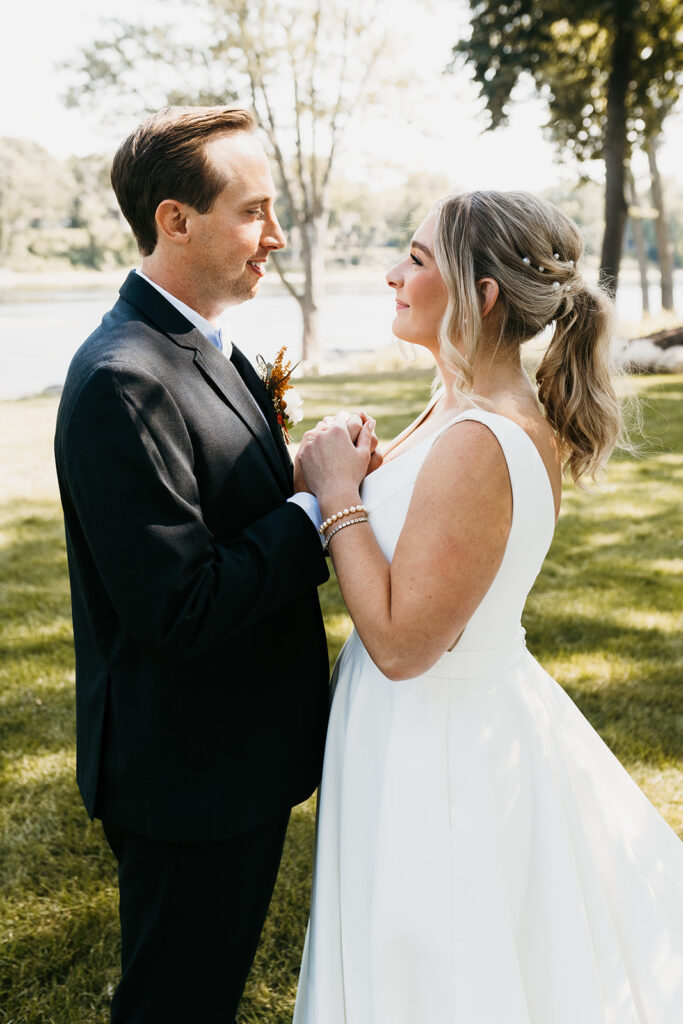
[
  {"x": 610, "y": 71},
  {"x": 303, "y": 66},
  {"x": 58, "y": 211}
]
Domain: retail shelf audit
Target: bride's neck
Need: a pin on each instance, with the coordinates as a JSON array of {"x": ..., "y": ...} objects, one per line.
[{"x": 494, "y": 376}]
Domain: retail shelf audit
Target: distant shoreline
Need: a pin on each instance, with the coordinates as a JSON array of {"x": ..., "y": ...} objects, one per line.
[{"x": 13, "y": 281}]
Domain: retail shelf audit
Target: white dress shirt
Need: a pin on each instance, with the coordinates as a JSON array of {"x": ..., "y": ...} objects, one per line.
[{"x": 209, "y": 330}]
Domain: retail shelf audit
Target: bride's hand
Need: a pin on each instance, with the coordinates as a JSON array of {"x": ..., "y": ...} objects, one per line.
[
  {"x": 354, "y": 424},
  {"x": 330, "y": 461}
]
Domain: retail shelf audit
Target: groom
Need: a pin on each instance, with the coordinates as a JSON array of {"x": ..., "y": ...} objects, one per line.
[{"x": 201, "y": 664}]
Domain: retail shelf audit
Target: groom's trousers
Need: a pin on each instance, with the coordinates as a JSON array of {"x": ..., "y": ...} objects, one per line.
[{"x": 191, "y": 917}]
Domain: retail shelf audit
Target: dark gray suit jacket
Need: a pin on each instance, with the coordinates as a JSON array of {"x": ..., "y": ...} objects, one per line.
[{"x": 201, "y": 664}]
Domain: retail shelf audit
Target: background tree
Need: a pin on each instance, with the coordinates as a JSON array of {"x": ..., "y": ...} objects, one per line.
[
  {"x": 35, "y": 194},
  {"x": 609, "y": 70},
  {"x": 304, "y": 66},
  {"x": 636, "y": 214},
  {"x": 664, "y": 246},
  {"x": 58, "y": 212}
]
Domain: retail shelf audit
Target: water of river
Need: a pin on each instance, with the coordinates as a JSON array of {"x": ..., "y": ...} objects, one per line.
[{"x": 40, "y": 330}]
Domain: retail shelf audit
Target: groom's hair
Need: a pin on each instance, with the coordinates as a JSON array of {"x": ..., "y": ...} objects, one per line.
[{"x": 165, "y": 158}]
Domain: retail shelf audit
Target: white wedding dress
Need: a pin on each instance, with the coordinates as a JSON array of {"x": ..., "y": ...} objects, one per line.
[{"x": 481, "y": 856}]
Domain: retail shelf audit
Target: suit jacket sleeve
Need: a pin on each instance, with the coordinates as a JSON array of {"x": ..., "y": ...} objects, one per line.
[{"x": 128, "y": 463}]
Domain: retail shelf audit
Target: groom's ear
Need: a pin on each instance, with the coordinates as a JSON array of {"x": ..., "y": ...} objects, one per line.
[{"x": 171, "y": 221}]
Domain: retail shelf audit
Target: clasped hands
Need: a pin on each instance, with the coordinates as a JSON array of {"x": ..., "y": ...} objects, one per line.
[{"x": 337, "y": 455}]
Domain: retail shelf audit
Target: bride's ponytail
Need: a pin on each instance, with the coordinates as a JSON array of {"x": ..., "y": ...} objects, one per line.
[
  {"x": 575, "y": 385},
  {"x": 532, "y": 250}
]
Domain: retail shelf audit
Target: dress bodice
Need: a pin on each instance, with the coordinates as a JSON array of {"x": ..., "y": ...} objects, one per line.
[{"x": 388, "y": 491}]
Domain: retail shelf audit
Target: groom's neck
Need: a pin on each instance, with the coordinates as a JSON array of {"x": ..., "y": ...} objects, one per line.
[{"x": 182, "y": 286}]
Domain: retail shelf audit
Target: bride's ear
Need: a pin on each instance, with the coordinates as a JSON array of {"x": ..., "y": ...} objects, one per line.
[{"x": 488, "y": 294}]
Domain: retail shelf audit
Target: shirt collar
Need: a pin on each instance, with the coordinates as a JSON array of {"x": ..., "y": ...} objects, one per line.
[{"x": 218, "y": 336}]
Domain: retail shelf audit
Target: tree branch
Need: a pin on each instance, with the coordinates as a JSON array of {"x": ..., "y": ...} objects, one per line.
[
  {"x": 283, "y": 277},
  {"x": 270, "y": 130},
  {"x": 297, "y": 116}
]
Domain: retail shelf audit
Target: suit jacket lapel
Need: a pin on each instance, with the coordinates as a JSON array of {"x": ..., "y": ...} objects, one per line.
[
  {"x": 213, "y": 365},
  {"x": 225, "y": 378},
  {"x": 257, "y": 389}
]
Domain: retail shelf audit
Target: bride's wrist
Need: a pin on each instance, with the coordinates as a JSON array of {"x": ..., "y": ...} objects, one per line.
[{"x": 335, "y": 503}]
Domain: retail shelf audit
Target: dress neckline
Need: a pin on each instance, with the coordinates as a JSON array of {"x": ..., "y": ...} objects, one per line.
[
  {"x": 467, "y": 412},
  {"x": 412, "y": 427}
]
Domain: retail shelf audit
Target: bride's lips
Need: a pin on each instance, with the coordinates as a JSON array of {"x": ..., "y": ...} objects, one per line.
[
  {"x": 258, "y": 266},
  {"x": 401, "y": 305}
]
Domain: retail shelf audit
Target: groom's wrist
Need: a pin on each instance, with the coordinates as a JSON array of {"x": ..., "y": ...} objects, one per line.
[{"x": 309, "y": 503}]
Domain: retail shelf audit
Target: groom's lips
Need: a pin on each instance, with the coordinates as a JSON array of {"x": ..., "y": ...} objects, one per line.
[{"x": 257, "y": 266}]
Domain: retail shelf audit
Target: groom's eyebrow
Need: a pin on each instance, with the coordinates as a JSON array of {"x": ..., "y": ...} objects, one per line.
[
  {"x": 256, "y": 200},
  {"x": 419, "y": 245}
]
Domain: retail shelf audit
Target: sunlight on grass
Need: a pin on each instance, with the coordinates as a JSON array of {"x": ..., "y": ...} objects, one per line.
[
  {"x": 603, "y": 619},
  {"x": 45, "y": 768}
]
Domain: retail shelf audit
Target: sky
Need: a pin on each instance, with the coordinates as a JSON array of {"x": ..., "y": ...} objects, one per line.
[{"x": 435, "y": 127}]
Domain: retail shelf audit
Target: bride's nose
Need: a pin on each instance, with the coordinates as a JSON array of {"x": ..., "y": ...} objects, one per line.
[{"x": 393, "y": 277}]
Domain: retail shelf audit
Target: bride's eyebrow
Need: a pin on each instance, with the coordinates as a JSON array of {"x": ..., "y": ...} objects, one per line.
[{"x": 419, "y": 245}]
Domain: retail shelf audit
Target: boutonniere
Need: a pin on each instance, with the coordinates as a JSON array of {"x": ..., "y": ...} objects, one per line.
[{"x": 287, "y": 402}]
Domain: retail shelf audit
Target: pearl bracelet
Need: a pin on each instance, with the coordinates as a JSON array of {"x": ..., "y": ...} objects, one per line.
[
  {"x": 351, "y": 511},
  {"x": 347, "y": 522}
]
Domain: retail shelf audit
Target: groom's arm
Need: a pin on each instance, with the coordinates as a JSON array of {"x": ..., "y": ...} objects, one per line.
[{"x": 127, "y": 469}]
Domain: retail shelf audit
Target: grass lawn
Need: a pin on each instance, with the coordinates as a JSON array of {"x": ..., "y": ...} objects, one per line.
[{"x": 602, "y": 619}]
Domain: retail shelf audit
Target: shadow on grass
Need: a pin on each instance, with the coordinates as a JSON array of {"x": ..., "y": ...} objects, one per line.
[
  {"x": 660, "y": 406},
  {"x": 62, "y": 970},
  {"x": 271, "y": 988}
]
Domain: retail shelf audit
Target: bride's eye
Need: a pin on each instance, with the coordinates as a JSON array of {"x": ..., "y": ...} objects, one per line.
[{"x": 416, "y": 260}]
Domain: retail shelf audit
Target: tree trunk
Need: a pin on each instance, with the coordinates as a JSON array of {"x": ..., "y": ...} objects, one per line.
[
  {"x": 615, "y": 151},
  {"x": 662, "y": 229},
  {"x": 639, "y": 241},
  {"x": 313, "y": 235}
]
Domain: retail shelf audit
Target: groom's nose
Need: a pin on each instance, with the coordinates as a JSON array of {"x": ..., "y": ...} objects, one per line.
[{"x": 273, "y": 236}]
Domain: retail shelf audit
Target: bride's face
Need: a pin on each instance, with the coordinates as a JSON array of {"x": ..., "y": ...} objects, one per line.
[{"x": 421, "y": 295}]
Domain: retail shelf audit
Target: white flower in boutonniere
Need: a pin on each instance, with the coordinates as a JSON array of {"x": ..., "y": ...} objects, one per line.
[
  {"x": 294, "y": 407},
  {"x": 287, "y": 402}
]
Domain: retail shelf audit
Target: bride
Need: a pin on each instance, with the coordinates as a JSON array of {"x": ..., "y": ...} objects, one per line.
[{"x": 481, "y": 856}]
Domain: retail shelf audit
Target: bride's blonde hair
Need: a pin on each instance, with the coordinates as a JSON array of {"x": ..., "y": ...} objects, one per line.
[{"x": 532, "y": 250}]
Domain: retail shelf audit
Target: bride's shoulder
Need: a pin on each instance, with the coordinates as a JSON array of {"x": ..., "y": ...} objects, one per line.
[
  {"x": 514, "y": 419},
  {"x": 466, "y": 452}
]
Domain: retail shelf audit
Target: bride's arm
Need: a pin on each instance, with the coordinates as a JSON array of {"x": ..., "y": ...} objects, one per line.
[{"x": 408, "y": 612}]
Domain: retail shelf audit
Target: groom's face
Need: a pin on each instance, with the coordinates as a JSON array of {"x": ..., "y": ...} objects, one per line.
[{"x": 231, "y": 243}]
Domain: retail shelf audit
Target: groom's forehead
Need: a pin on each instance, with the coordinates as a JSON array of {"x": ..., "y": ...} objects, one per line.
[
  {"x": 236, "y": 148},
  {"x": 244, "y": 165}
]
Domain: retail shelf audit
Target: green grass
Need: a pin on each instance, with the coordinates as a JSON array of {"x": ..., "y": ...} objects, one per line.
[{"x": 601, "y": 618}]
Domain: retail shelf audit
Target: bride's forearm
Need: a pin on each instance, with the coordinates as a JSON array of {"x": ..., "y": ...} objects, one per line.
[{"x": 364, "y": 577}]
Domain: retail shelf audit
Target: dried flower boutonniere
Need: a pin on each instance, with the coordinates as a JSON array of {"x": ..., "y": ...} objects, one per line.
[{"x": 287, "y": 401}]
